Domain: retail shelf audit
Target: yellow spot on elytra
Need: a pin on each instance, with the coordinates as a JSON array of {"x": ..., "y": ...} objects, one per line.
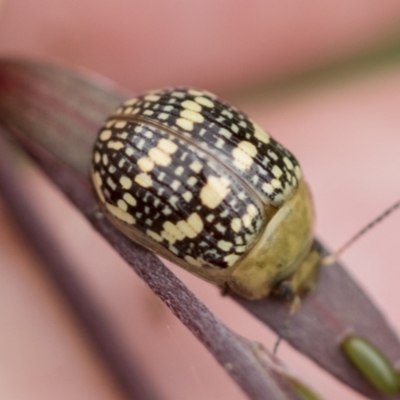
[
  {"x": 225, "y": 132},
  {"x": 193, "y": 261},
  {"x": 186, "y": 229},
  {"x": 252, "y": 210},
  {"x": 175, "y": 185},
  {"x": 144, "y": 180},
  {"x": 196, "y": 166},
  {"x": 171, "y": 230},
  {"x": 125, "y": 182},
  {"x": 155, "y": 236},
  {"x": 105, "y": 159},
  {"x": 246, "y": 220},
  {"x": 159, "y": 157},
  {"x": 185, "y": 124},
  {"x": 260, "y": 134},
  {"x": 178, "y": 94},
  {"x": 97, "y": 157},
  {"x": 123, "y": 135},
  {"x": 179, "y": 170},
  {"x": 187, "y": 196},
  {"x": 248, "y": 148},
  {"x": 122, "y": 205},
  {"x": 168, "y": 237},
  {"x": 235, "y": 128},
  {"x": 243, "y": 154},
  {"x": 105, "y": 135},
  {"x": 268, "y": 188},
  {"x": 192, "y": 115},
  {"x": 129, "y": 151},
  {"x": 204, "y": 101},
  {"x": 214, "y": 192},
  {"x": 224, "y": 245},
  {"x": 240, "y": 249},
  {"x": 163, "y": 116},
  {"x": 195, "y": 92},
  {"x": 120, "y": 124},
  {"x": 173, "y": 249},
  {"x": 276, "y": 171},
  {"x": 288, "y": 163},
  {"x": 276, "y": 183},
  {"x": 236, "y": 224},
  {"x": 273, "y": 155},
  {"x": 195, "y": 222},
  {"x": 145, "y": 164},
  {"x": 251, "y": 213},
  {"x": 120, "y": 214},
  {"x": 131, "y": 102},
  {"x": 129, "y": 199},
  {"x": 152, "y": 97},
  {"x": 220, "y": 143},
  {"x": 167, "y": 145},
  {"x": 98, "y": 183},
  {"x": 231, "y": 259},
  {"x": 191, "y": 105},
  {"x": 192, "y": 181},
  {"x": 227, "y": 113},
  {"x": 115, "y": 145}
]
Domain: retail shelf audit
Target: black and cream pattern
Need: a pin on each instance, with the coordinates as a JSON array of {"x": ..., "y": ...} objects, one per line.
[{"x": 191, "y": 173}]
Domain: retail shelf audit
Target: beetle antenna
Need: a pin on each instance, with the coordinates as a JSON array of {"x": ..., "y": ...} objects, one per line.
[
  {"x": 333, "y": 257},
  {"x": 280, "y": 336}
]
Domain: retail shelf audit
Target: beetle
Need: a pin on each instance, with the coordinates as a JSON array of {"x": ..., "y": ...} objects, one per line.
[
  {"x": 198, "y": 182},
  {"x": 195, "y": 180}
]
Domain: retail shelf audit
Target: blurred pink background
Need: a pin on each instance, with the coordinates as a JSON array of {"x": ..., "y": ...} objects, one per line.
[{"x": 344, "y": 130}]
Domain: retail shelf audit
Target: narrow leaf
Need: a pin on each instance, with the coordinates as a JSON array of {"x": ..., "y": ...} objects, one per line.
[{"x": 55, "y": 114}]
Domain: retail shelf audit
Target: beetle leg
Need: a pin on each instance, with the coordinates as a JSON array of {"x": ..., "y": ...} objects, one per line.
[{"x": 225, "y": 289}]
